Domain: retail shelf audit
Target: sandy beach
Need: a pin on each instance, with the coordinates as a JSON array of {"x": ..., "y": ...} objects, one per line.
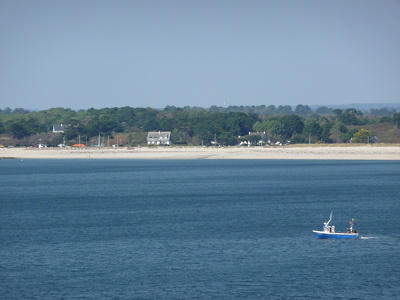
[{"x": 348, "y": 152}]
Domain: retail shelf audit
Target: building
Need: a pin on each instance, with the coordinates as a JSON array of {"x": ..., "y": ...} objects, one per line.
[
  {"x": 263, "y": 135},
  {"x": 59, "y": 128},
  {"x": 248, "y": 142},
  {"x": 159, "y": 138}
]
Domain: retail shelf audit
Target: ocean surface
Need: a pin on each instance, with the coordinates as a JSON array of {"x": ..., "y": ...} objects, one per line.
[{"x": 198, "y": 229}]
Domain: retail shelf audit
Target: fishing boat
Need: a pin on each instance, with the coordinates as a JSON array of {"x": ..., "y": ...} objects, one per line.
[{"x": 330, "y": 233}]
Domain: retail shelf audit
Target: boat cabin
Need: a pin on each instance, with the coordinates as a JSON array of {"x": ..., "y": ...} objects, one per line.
[{"x": 329, "y": 228}]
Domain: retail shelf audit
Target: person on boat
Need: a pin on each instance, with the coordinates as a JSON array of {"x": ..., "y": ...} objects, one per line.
[{"x": 351, "y": 230}]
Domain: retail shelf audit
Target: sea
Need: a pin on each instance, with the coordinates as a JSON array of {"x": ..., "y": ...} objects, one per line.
[{"x": 198, "y": 229}]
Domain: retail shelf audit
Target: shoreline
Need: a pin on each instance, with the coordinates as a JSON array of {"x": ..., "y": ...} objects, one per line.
[{"x": 313, "y": 152}]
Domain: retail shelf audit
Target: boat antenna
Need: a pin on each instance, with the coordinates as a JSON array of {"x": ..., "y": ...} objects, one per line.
[{"x": 330, "y": 219}]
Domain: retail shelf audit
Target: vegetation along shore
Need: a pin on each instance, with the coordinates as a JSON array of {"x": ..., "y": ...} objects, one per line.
[{"x": 263, "y": 125}]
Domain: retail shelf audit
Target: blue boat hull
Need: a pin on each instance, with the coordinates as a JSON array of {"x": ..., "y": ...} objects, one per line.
[{"x": 337, "y": 235}]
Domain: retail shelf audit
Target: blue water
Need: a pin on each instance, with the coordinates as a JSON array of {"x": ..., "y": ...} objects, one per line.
[{"x": 197, "y": 229}]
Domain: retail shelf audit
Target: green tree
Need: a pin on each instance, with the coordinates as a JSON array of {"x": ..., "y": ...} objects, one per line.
[
  {"x": 274, "y": 128},
  {"x": 297, "y": 139},
  {"x": 20, "y": 111},
  {"x": 238, "y": 123},
  {"x": 396, "y": 119},
  {"x": 312, "y": 130},
  {"x": 384, "y": 112},
  {"x": 166, "y": 124},
  {"x": 348, "y": 118},
  {"x": 107, "y": 125},
  {"x": 151, "y": 124},
  {"x": 303, "y": 110},
  {"x": 284, "y": 110},
  {"x": 260, "y": 126},
  {"x": 73, "y": 132},
  {"x": 18, "y": 130},
  {"x": 324, "y": 110},
  {"x": 338, "y": 112},
  {"x": 325, "y": 134},
  {"x": 337, "y": 130},
  {"x": 177, "y": 137},
  {"x": 33, "y": 125},
  {"x": 354, "y": 111},
  {"x": 292, "y": 124},
  {"x": 226, "y": 138},
  {"x": 146, "y": 119},
  {"x": 5, "y": 111},
  {"x": 125, "y": 115},
  {"x": 205, "y": 131},
  {"x": 362, "y": 136},
  {"x": 270, "y": 110}
]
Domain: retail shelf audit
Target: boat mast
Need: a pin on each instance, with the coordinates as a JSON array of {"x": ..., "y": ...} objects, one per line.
[{"x": 330, "y": 219}]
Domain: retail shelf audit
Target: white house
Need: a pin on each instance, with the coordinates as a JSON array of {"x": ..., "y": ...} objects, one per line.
[
  {"x": 159, "y": 138},
  {"x": 59, "y": 128}
]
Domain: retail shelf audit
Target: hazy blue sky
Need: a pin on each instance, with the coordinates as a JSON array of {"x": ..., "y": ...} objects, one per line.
[{"x": 82, "y": 54}]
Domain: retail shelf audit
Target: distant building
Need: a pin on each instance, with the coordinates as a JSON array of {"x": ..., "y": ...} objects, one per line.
[
  {"x": 159, "y": 138},
  {"x": 373, "y": 139},
  {"x": 262, "y": 141},
  {"x": 59, "y": 128},
  {"x": 263, "y": 135}
]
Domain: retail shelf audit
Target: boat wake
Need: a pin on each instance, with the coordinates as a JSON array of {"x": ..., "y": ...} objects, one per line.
[{"x": 368, "y": 237}]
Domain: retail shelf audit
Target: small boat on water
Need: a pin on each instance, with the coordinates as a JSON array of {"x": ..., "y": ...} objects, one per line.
[{"x": 330, "y": 233}]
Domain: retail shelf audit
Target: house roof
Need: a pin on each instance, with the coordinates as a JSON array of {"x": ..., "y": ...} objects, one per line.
[
  {"x": 257, "y": 133},
  {"x": 158, "y": 135},
  {"x": 57, "y": 128}
]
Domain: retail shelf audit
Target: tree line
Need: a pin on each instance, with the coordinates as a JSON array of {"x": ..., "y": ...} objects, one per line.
[{"x": 191, "y": 125}]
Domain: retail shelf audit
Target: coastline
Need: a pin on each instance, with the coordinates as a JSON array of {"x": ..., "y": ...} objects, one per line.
[{"x": 314, "y": 152}]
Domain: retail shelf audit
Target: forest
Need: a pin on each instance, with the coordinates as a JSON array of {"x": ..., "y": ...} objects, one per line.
[{"x": 128, "y": 126}]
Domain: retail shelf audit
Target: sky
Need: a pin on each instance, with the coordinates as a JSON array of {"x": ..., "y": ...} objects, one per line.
[{"x": 81, "y": 54}]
